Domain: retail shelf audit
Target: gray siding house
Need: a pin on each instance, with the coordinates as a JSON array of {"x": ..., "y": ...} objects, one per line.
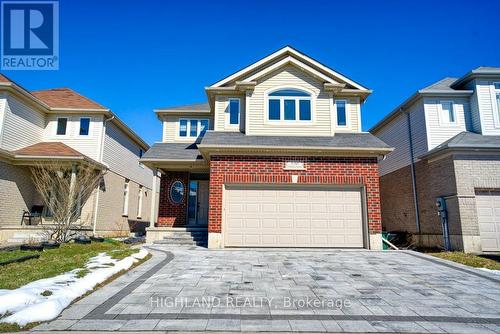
[{"x": 447, "y": 144}]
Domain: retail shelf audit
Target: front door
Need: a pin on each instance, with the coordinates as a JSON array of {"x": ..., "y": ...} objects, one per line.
[
  {"x": 202, "y": 214},
  {"x": 198, "y": 203}
]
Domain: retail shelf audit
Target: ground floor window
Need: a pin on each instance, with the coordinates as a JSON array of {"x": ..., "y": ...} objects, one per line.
[{"x": 192, "y": 201}]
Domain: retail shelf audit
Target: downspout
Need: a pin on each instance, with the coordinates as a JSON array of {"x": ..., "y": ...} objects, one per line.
[
  {"x": 101, "y": 154},
  {"x": 413, "y": 172}
]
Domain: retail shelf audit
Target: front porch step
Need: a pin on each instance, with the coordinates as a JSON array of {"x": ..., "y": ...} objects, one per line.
[
  {"x": 180, "y": 242},
  {"x": 183, "y": 236}
]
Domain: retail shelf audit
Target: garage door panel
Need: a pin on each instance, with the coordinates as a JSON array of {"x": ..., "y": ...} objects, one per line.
[
  {"x": 320, "y": 224},
  {"x": 269, "y": 223},
  {"x": 285, "y": 223},
  {"x": 488, "y": 213},
  {"x": 295, "y": 217},
  {"x": 320, "y": 208}
]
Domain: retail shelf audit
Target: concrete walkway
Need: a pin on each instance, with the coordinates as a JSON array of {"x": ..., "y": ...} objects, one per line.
[{"x": 195, "y": 289}]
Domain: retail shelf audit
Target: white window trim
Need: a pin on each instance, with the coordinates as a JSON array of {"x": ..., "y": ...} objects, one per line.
[
  {"x": 227, "y": 115},
  {"x": 79, "y": 126},
  {"x": 67, "y": 127},
  {"x": 188, "y": 137},
  {"x": 126, "y": 190},
  {"x": 347, "y": 114},
  {"x": 496, "y": 107},
  {"x": 442, "y": 119},
  {"x": 282, "y": 121},
  {"x": 139, "y": 204}
]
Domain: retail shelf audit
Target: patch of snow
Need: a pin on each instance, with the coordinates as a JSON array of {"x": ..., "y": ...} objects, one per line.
[
  {"x": 496, "y": 272},
  {"x": 27, "y": 304}
]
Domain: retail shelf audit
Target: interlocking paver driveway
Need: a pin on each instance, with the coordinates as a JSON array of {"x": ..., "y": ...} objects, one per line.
[{"x": 194, "y": 289}]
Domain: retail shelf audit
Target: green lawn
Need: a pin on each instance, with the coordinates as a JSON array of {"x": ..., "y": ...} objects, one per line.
[
  {"x": 56, "y": 261},
  {"x": 468, "y": 259}
]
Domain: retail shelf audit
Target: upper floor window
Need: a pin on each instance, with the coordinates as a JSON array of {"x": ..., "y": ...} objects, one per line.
[
  {"x": 84, "y": 126},
  {"x": 62, "y": 123},
  {"x": 233, "y": 112},
  {"x": 289, "y": 105},
  {"x": 448, "y": 115},
  {"x": 497, "y": 98},
  {"x": 192, "y": 127},
  {"x": 341, "y": 112}
]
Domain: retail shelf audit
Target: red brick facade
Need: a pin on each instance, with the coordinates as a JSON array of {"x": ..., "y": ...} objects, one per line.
[
  {"x": 319, "y": 170},
  {"x": 169, "y": 213}
]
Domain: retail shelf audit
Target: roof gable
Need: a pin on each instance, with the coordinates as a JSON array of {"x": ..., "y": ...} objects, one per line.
[{"x": 283, "y": 57}]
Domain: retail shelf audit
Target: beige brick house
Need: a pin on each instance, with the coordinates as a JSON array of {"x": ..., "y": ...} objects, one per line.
[
  {"x": 447, "y": 144},
  {"x": 62, "y": 125}
]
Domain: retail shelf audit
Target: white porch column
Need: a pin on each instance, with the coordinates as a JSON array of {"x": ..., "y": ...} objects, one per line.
[
  {"x": 72, "y": 184},
  {"x": 152, "y": 215}
]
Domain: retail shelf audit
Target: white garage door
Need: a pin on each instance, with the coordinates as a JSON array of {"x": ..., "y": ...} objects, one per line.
[
  {"x": 298, "y": 216},
  {"x": 488, "y": 213}
]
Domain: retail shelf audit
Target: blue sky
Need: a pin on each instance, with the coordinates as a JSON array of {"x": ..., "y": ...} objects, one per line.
[{"x": 134, "y": 56}]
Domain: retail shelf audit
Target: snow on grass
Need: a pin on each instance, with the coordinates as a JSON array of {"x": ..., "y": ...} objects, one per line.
[{"x": 45, "y": 299}]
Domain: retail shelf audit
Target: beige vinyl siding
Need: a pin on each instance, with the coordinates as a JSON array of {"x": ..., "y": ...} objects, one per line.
[
  {"x": 171, "y": 127},
  {"x": 121, "y": 154},
  {"x": 396, "y": 134},
  {"x": 290, "y": 76},
  {"x": 23, "y": 126},
  {"x": 355, "y": 114},
  {"x": 487, "y": 107},
  {"x": 222, "y": 110},
  {"x": 88, "y": 145},
  {"x": 440, "y": 132}
]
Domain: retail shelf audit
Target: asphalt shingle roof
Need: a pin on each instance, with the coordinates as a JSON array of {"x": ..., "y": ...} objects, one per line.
[
  {"x": 190, "y": 107},
  {"x": 66, "y": 98},
  {"x": 173, "y": 151},
  {"x": 443, "y": 84},
  {"x": 467, "y": 140},
  {"x": 340, "y": 140}
]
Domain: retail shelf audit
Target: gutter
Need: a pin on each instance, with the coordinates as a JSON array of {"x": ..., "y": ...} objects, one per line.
[{"x": 300, "y": 148}]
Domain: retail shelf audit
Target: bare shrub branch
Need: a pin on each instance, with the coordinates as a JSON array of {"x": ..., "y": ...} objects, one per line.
[{"x": 64, "y": 188}]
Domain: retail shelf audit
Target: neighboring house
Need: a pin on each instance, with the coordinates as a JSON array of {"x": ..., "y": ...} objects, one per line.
[
  {"x": 447, "y": 144},
  {"x": 275, "y": 158},
  {"x": 61, "y": 125}
]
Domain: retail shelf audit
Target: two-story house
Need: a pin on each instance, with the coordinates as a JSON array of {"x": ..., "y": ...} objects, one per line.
[
  {"x": 275, "y": 158},
  {"x": 447, "y": 145},
  {"x": 62, "y": 125}
]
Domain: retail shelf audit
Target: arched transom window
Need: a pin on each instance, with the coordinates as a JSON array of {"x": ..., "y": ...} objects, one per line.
[{"x": 289, "y": 105}]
